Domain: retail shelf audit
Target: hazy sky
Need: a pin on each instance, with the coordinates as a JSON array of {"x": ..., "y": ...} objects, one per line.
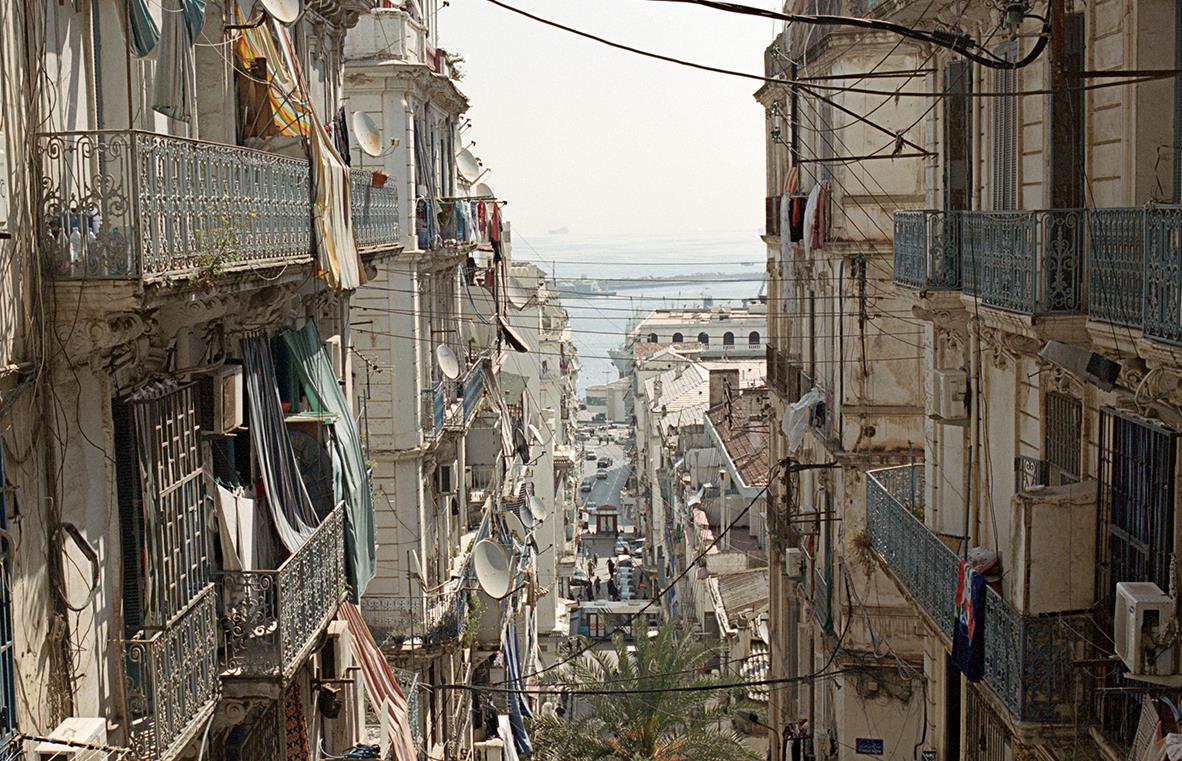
[{"x": 603, "y": 141}]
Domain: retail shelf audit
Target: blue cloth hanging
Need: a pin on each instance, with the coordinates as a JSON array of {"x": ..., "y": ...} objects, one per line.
[{"x": 518, "y": 705}]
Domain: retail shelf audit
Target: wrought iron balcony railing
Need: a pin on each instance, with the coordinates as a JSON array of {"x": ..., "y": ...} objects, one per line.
[
  {"x": 172, "y": 679},
  {"x": 1028, "y": 659},
  {"x": 927, "y": 249},
  {"x": 128, "y": 204},
  {"x": 783, "y": 374},
  {"x": 273, "y": 618},
  {"x": 408, "y": 682},
  {"x": 1116, "y": 266},
  {"x": 375, "y": 212},
  {"x": 473, "y": 391},
  {"x": 1031, "y": 262}
]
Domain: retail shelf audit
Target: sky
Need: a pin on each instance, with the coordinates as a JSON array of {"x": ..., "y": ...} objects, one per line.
[{"x": 602, "y": 141}]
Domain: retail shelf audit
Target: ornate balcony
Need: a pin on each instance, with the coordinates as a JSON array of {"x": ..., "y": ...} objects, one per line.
[
  {"x": 927, "y": 249},
  {"x": 1030, "y": 262},
  {"x": 136, "y": 205},
  {"x": 1116, "y": 266},
  {"x": 375, "y": 212},
  {"x": 783, "y": 374},
  {"x": 172, "y": 679},
  {"x": 1028, "y": 659},
  {"x": 273, "y": 618},
  {"x": 133, "y": 205}
]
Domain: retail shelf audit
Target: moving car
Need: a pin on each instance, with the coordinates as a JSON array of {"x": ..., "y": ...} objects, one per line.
[
  {"x": 586, "y": 487},
  {"x": 601, "y": 475},
  {"x": 591, "y": 455},
  {"x": 604, "y": 463}
]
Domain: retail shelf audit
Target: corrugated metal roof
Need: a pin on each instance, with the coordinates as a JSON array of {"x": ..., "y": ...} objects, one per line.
[{"x": 744, "y": 591}]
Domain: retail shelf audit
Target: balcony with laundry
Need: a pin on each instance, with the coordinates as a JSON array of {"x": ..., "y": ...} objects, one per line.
[
  {"x": 1033, "y": 628},
  {"x": 294, "y": 499},
  {"x": 178, "y": 188}
]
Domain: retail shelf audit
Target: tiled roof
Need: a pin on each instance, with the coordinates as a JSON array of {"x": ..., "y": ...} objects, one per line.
[{"x": 743, "y": 429}]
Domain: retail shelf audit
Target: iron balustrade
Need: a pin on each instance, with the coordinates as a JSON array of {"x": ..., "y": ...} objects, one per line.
[
  {"x": 375, "y": 211},
  {"x": 1163, "y": 275},
  {"x": 172, "y": 679},
  {"x": 1028, "y": 659},
  {"x": 1116, "y": 265},
  {"x": 473, "y": 391},
  {"x": 927, "y": 249},
  {"x": 1031, "y": 262},
  {"x": 408, "y": 682},
  {"x": 128, "y": 204},
  {"x": 274, "y": 617}
]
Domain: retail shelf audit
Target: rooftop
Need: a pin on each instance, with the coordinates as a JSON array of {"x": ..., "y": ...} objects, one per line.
[{"x": 742, "y": 428}]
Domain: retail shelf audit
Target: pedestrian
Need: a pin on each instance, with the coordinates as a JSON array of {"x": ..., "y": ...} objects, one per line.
[
  {"x": 611, "y": 568},
  {"x": 594, "y": 561},
  {"x": 597, "y": 582}
]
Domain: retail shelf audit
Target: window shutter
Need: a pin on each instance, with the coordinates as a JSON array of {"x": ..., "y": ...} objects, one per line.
[
  {"x": 1005, "y": 132},
  {"x": 958, "y": 158}
]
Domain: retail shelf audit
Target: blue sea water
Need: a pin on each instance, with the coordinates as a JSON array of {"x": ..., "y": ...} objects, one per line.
[{"x": 598, "y": 323}]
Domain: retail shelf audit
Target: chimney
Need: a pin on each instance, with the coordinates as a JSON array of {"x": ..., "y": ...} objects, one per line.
[{"x": 724, "y": 384}]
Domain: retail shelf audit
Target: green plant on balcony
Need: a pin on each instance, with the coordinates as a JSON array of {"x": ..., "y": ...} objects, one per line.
[
  {"x": 471, "y": 622},
  {"x": 216, "y": 249}
]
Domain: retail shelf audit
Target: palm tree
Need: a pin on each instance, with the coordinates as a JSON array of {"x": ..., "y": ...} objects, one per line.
[{"x": 648, "y": 714}]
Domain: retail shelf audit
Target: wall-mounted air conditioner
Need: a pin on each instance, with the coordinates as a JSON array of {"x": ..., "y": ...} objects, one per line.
[
  {"x": 950, "y": 394},
  {"x": 1142, "y": 632},
  {"x": 221, "y": 400},
  {"x": 793, "y": 563},
  {"x": 78, "y": 735}
]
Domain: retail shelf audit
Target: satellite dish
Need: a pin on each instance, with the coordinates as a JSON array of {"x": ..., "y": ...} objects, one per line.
[
  {"x": 448, "y": 364},
  {"x": 518, "y": 294},
  {"x": 537, "y": 434},
  {"x": 369, "y": 137},
  {"x": 485, "y": 191},
  {"x": 468, "y": 166},
  {"x": 492, "y": 568},
  {"x": 283, "y": 11},
  {"x": 515, "y": 526},
  {"x": 418, "y": 568},
  {"x": 538, "y": 508}
]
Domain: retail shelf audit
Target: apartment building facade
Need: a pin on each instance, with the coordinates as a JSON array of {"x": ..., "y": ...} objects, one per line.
[{"x": 1035, "y": 253}]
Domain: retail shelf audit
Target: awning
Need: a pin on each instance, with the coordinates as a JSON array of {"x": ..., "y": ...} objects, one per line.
[
  {"x": 380, "y": 685},
  {"x": 512, "y": 337}
]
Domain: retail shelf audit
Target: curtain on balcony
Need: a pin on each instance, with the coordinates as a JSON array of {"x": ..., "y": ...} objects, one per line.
[
  {"x": 286, "y": 496},
  {"x": 350, "y": 477}
]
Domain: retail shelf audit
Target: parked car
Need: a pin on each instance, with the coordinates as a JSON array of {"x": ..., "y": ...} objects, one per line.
[
  {"x": 603, "y": 463},
  {"x": 621, "y": 547},
  {"x": 623, "y": 560},
  {"x": 591, "y": 455}
]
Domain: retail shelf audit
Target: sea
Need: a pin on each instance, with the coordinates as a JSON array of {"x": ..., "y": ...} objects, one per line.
[{"x": 683, "y": 269}]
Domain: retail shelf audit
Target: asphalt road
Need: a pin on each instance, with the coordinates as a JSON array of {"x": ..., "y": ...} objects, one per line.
[{"x": 605, "y": 491}]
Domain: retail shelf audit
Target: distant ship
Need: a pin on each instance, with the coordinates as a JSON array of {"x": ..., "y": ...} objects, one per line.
[
  {"x": 582, "y": 286},
  {"x": 559, "y": 231}
]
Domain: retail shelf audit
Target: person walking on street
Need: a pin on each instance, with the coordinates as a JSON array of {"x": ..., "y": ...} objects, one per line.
[
  {"x": 597, "y": 584},
  {"x": 611, "y": 568}
]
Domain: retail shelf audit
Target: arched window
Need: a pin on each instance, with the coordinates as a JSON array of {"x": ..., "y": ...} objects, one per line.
[
  {"x": 728, "y": 339},
  {"x": 677, "y": 338},
  {"x": 753, "y": 339},
  {"x": 703, "y": 339},
  {"x": 652, "y": 338}
]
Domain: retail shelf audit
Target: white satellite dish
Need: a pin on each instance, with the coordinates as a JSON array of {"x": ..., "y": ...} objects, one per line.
[
  {"x": 518, "y": 294},
  {"x": 369, "y": 137},
  {"x": 283, "y": 11},
  {"x": 536, "y": 433},
  {"x": 483, "y": 190},
  {"x": 492, "y": 568},
  {"x": 538, "y": 508},
  {"x": 448, "y": 364},
  {"x": 515, "y": 526},
  {"x": 467, "y": 165}
]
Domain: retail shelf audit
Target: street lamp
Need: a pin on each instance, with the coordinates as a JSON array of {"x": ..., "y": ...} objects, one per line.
[{"x": 750, "y": 717}]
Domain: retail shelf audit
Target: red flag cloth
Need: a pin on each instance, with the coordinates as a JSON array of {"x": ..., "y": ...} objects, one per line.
[{"x": 380, "y": 684}]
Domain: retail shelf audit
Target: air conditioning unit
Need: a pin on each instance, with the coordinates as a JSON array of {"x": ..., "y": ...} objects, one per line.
[
  {"x": 221, "y": 400},
  {"x": 793, "y": 563},
  {"x": 74, "y": 735},
  {"x": 950, "y": 395},
  {"x": 1141, "y": 629}
]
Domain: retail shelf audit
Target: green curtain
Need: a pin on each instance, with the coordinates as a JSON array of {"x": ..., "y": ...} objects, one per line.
[{"x": 351, "y": 478}]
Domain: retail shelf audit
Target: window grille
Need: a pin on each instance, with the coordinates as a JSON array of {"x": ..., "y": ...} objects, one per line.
[
  {"x": 987, "y": 738},
  {"x": 1062, "y": 434},
  {"x": 958, "y": 141},
  {"x": 162, "y": 495}
]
